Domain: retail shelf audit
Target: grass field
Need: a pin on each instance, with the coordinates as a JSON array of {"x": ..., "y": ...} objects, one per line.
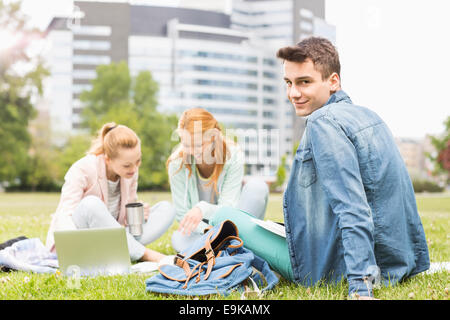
[{"x": 28, "y": 214}]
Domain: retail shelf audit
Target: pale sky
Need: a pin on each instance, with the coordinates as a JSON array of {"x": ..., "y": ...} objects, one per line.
[
  {"x": 394, "y": 56},
  {"x": 395, "y": 60}
]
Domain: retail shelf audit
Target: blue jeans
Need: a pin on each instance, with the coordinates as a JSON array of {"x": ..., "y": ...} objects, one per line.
[
  {"x": 253, "y": 200},
  {"x": 92, "y": 212}
]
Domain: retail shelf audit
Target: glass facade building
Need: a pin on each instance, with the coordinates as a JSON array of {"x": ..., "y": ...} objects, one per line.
[{"x": 223, "y": 63}]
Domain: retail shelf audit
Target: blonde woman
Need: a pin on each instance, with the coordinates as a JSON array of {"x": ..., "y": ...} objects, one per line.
[
  {"x": 98, "y": 186},
  {"x": 206, "y": 173}
]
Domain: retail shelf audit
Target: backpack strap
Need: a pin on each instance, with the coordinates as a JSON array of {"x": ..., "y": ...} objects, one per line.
[
  {"x": 182, "y": 264},
  {"x": 210, "y": 257},
  {"x": 210, "y": 260},
  {"x": 192, "y": 273},
  {"x": 227, "y": 231}
]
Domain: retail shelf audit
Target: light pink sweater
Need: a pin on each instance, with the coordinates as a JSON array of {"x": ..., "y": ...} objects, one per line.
[{"x": 87, "y": 177}]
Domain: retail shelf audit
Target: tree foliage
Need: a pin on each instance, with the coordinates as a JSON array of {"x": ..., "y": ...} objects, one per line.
[
  {"x": 21, "y": 78},
  {"x": 280, "y": 175},
  {"x": 131, "y": 101},
  {"x": 441, "y": 158}
]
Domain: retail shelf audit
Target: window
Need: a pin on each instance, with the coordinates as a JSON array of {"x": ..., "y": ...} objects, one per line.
[
  {"x": 270, "y": 75},
  {"x": 91, "y": 45},
  {"x": 84, "y": 74},
  {"x": 228, "y": 111},
  {"x": 306, "y": 26},
  {"x": 269, "y": 101},
  {"x": 305, "y": 13},
  {"x": 92, "y": 30},
  {"x": 216, "y": 55},
  {"x": 219, "y": 69},
  {"x": 227, "y": 84},
  {"x": 269, "y": 114},
  {"x": 226, "y": 97},
  {"x": 78, "y": 88},
  {"x": 268, "y": 88},
  {"x": 263, "y": 25},
  {"x": 269, "y": 62},
  {"x": 91, "y": 59},
  {"x": 241, "y": 125}
]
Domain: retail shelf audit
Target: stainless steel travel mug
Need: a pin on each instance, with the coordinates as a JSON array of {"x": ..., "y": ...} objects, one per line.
[{"x": 135, "y": 218}]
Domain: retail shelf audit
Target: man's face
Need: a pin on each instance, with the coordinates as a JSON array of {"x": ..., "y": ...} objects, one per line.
[{"x": 305, "y": 88}]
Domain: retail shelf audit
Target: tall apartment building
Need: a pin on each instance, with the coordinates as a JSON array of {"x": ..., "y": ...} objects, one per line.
[
  {"x": 199, "y": 58},
  {"x": 281, "y": 23}
]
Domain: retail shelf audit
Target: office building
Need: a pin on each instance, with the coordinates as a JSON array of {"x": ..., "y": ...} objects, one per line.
[
  {"x": 200, "y": 58},
  {"x": 282, "y": 23}
]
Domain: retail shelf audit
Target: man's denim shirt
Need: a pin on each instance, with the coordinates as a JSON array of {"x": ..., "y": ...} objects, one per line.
[{"x": 349, "y": 207}]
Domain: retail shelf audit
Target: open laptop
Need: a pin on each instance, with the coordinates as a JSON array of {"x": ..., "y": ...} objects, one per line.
[{"x": 92, "y": 252}]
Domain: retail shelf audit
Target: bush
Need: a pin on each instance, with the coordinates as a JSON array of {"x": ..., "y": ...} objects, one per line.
[{"x": 426, "y": 186}]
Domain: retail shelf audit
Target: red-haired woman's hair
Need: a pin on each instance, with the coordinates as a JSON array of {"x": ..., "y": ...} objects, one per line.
[{"x": 188, "y": 122}]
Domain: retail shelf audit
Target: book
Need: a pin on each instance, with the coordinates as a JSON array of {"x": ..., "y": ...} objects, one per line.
[{"x": 274, "y": 227}]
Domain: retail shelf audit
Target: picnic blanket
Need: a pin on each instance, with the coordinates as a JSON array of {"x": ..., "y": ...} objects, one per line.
[{"x": 28, "y": 255}]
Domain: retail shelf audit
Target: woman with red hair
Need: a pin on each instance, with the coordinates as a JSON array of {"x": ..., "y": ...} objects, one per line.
[{"x": 206, "y": 173}]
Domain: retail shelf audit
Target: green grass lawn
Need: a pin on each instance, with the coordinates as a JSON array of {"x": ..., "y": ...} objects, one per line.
[{"x": 28, "y": 214}]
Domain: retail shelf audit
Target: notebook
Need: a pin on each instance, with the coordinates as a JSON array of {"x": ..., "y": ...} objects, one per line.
[{"x": 275, "y": 227}]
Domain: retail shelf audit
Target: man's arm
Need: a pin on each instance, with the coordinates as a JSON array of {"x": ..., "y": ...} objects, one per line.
[{"x": 337, "y": 165}]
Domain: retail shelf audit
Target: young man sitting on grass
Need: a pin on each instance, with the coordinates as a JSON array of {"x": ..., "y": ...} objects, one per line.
[{"x": 349, "y": 206}]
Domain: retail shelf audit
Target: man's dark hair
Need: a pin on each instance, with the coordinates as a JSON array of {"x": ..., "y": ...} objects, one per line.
[{"x": 321, "y": 52}]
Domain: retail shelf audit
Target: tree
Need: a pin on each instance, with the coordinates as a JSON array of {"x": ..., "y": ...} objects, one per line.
[
  {"x": 20, "y": 79},
  {"x": 74, "y": 149},
  {"x": 41, "y": 172},
  {"x": 295, "y": 147},
  {"x": 281, "y": 174},
  {"x": 444, "y": 157},
  {"x": 442, "y": 146},
  {"x": 116, "y": 96}
]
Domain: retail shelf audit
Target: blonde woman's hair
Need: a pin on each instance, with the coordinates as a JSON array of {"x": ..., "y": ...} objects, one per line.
[
  {"x": 208, "y": 122},
  {"x": 111, "y": 138}
]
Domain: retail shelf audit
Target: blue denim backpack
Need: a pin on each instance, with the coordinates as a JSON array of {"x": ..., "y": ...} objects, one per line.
[{"x": 217, "y": 263}]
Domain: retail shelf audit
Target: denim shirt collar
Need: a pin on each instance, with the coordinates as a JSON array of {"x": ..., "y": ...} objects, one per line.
[{"x": 337, "y": 97}]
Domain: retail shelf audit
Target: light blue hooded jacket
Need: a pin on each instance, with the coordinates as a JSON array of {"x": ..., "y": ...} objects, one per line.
[{"x": 185, "y": 191}]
